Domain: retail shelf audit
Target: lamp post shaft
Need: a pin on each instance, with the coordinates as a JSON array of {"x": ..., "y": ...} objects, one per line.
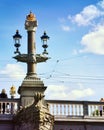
[
  {"x": 31, "y": 66},
  {"x": 31, "y": 42}
]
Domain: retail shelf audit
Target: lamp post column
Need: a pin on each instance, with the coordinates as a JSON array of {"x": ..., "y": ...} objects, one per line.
[
  {"x": 30, "y": 26},
  {"x": 31, "y": 66}
]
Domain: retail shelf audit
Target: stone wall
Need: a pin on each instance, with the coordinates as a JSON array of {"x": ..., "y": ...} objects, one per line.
[
  {"x": 78, "y": 126},
  {"x": 6, "y": 126}
]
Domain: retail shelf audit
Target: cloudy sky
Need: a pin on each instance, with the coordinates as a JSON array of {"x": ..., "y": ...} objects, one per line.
[{"x": 76, "y": 46}]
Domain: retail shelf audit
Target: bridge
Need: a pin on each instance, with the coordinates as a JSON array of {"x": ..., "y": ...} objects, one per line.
[{"x": 68, "y": 115}]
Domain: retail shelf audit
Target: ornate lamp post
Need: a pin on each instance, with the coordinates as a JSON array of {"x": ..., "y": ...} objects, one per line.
[
  {"x": 31, "y": 83},
  {"x": 44, "y": 39},
  {"x": 17, "y": 44}
]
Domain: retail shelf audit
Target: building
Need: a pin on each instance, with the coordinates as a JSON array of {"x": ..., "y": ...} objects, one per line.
[{"x": 31, "y": 111}]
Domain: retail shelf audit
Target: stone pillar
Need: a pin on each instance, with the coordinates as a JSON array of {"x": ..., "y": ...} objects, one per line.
[{"x": 85, "y": 108}]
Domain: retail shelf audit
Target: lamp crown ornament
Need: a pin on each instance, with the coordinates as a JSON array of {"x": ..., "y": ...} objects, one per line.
[
  {"x": 31, "y": 17},
  {"x": 31, "y": 22}
]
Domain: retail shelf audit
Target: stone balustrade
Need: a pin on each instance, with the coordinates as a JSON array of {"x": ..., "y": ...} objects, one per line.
[
  {"x": 72, "y": 115},
  {"x": 59, "y": 108},
  {"x": 78, "y": 109},
  {"x": 9, "y": 106}
]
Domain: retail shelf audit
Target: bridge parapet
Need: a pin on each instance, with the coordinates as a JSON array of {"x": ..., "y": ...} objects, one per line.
[
  {"x": 9, "y": 107},
  {"x": 62, "y": 109}
]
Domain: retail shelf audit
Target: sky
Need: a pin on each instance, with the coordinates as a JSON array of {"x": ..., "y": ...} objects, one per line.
[{"x": 76, "y": 46}]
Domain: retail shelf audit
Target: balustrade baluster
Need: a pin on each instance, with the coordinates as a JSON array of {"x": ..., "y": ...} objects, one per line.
[
  {"x": 68, "y": 109},
  {"x": 91, "y": 112},
  {"x": 0, "y": 107},
  {"x": 72, "y": 109},
  {"x": 64, "y": 109},
  {"x": 8, "y": 107},
  {"x": 76, "y": 110},
  {"x": 13, "y": 107},
  {"x": 95, "y": 112},
  {"x": 56, "y": 109},
  {"x": 99, "y": 110},
  {"x": 60, "y": 109},
  {"x": 79, "y": 110},
  {"x": 5, "y": 107}
]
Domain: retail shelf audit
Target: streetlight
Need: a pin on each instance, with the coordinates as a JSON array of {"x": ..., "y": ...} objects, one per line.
[
  {"x": 44, "y": 38},
  {"x": 17, "y": 44}
]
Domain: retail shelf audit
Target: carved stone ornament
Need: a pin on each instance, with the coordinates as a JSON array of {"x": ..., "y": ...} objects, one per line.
[
  {"x": 35, "y": 117},
  {"x": 31, "y": 58},
  {"x": 31, "y": 24}
]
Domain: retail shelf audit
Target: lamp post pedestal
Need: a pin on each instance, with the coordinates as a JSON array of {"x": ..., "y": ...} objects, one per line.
[{"x": 29, "y": 87}]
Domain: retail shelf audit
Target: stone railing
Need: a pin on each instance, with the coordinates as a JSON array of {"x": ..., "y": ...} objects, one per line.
[
  {"x": 59, "y": 108},
  {"x": 78, "y": 109},
  {"x": 9, "y": 106}
]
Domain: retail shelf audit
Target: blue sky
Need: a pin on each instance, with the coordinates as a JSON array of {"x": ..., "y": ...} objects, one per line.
[{"x": 76, "y": 46}]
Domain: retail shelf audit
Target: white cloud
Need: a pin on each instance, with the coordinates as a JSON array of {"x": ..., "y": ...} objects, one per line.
[
  {"x": 64, "y": 25},
  {"x": 93, "y": 42},
  {"x": 90, "y": 15},
  {"x": 65, "y": 93},
  {"x": 81, "y": 93},
  {"x": 14, "y": 71},
  {"x": 86, "y": 16},
  {"x": 101, "y": 4}
]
